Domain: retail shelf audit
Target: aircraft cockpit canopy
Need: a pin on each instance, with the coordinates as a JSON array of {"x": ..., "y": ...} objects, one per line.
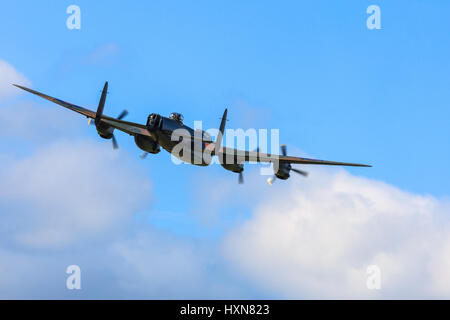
[{"x": 177, "y": 117}]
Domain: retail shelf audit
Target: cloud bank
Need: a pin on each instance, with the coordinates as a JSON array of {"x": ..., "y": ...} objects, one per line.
[
  {"x": 69, "y": 190},
  {"x": 317, "y": 238}
]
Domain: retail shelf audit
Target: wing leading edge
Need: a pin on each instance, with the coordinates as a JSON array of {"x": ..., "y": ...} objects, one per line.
[
  {"x": 125, "y": 126},
  {"x": 264, "y": 157}
]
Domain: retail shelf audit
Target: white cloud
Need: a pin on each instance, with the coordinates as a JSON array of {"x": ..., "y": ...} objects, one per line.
[
  {"x": 316, "y": 239},
  {"x": 8, "y": 76},
  {"x": 33, "y": 123},
  {"x": 158, "y": 265},
  {"x": 172, "y": 268},
  {"x": 29, "y": 121},
  {"x": 69, "y": 190},
  {"x": 309, "y": 238}
]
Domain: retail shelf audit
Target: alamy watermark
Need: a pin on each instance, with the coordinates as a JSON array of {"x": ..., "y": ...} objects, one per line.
[
  {"x": 73, "y": 281},
  {"x": 374, "y": 277},
  {"x": 242, "y": 146},
  {"x": 74, "y": 20},
  {"x": 374, "y": 20}
]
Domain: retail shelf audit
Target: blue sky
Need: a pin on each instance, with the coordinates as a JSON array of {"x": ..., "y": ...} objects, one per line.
[{"x": 335, "y": 89}]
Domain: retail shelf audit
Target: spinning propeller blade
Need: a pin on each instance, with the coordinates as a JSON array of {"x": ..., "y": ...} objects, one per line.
[
  {"x": 303, "y": 173},
  {"x": 114, "y": 142},
  {"x": 144, "y": 155},
  {"x": 287, "y": 167},
  {"x": 122, "y": 115},
  {"x": 241, "y": 178}
]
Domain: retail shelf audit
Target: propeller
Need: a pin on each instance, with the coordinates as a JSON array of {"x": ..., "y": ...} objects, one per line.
[
  {"x": 114, "y": 142},
  {"x": 241, "y": 178},
  {"x": 103, "y": 129},
  {"x": 283, "y": 150},
  {"x": 303, "y": 173},
  {"x": 241, "y": 175},
  {"x": 287, "y": 167},
  {"x": 122, "y": 115},
  {"x": 144, "y": 155}
]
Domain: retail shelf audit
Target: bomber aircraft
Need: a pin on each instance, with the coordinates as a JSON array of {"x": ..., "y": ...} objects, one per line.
[{"x": 159, "y": 132}]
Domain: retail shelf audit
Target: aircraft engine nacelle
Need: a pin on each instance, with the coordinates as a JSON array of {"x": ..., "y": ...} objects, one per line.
[
  {"x": 147, "y": 144},
  {"x": 234, "y": 167},
  {"x": 105, "y": 131},
  {"x": 283, "y": 171}
]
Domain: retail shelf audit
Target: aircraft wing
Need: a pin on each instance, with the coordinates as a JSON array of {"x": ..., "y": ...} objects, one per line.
[
  {"x": 265, "y": 157},
  {"x": 125, "y": 126}
]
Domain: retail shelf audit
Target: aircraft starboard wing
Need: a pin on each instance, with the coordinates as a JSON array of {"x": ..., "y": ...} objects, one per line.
[{"x": 265, "y": 157}]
